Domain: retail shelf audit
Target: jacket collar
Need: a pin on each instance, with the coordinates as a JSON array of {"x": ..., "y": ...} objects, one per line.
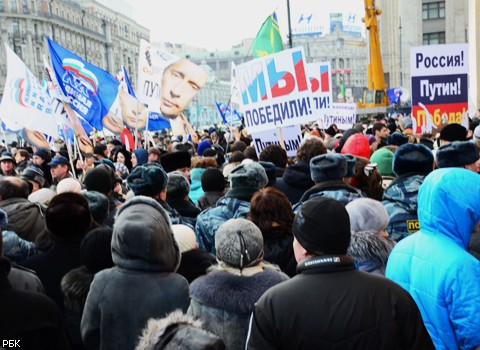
[{"x": 326, "y": 263}]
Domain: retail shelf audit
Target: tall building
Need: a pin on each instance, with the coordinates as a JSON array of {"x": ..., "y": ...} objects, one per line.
[
  {"x": 409, "y": 23},
  {"x": 100, "y": 35}
]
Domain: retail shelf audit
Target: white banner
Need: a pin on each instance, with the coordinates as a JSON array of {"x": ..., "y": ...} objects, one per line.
[
  {"x": 343, "y": 115},
  {"x": 291, "y": 136}
]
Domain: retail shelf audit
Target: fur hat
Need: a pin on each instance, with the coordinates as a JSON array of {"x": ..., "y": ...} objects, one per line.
[
  {"x": 412, "y": 158},
  {"x": 33, "y": 173},
  {"x": 69, "y": 184},
  {"x": 99, "y": 205},
  {"x": 351, "y": 164},
  {"x": 396, "y": 139},
  {"x": 367, "y": 214},
  {"x": 213, "y": 180},
  {"x": 453, "y": 132},
  {"x": 239, "y": 243},
  {"x": 95, "y": 250},
  {"x": 251, "y": 175},
  {"x": 147, "y": 243},
  {"x": 328, "y": 166},
  {"x": 357, "y": 145},
  {"x": 202, "y": 146},
  {"x": 147, "y": 180},
  {"x": 177, "y": 331},
  {"x": 383, "y": 157},
  {"x": 271, "y": 171},
  {"x": 176, "y": 160},
  {"x": 322, "y": 226},
  {"x": 3, "y": 220},
  {"x": 185, "y": 237},
  {"x": 99, "y": 179},
  {"x": 456, "y": 154},
  {"x": 44, "y": 154},
  {"x": 68, "y": 215},
  {"x": 177, "y": 185}
]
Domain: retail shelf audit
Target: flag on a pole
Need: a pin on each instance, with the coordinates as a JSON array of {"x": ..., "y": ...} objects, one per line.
[
  {"x": 25, "y": 103},
  {"x": 230, "y": 116},
  {"x": 268, "y": 39},
  {"x": 127, "y": 82},
  {"x": 90, "y": 89}
]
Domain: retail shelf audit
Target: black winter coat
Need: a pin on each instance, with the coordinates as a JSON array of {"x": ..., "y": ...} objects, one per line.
[{"x": 295, "y": 181}]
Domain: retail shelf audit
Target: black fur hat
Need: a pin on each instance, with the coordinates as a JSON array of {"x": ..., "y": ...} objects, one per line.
[
  {"x": 456, "y": 154},
  {"x": 412, "y": 158}
]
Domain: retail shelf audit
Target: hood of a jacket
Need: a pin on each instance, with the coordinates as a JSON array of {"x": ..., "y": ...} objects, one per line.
[
  {"x": 143, "y": 237},
  {"x": 448, "y": 204},
  {"x": 298, "y": 175}
]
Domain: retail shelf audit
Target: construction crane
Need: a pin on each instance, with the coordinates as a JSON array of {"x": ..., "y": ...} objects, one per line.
[{"x": 376, "y": 95}]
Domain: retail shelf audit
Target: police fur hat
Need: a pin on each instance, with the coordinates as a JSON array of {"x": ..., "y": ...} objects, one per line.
[
  {"x": 327, "y": 167},
  {"x": 453, "y": 132},
  {"x": 456, "y": 154},
  {"x": 351, "y": 163},
  {"x": 251, "y": 175},
  {"x": 147, "y": 180},
  {"x": 412, "y": 158}
]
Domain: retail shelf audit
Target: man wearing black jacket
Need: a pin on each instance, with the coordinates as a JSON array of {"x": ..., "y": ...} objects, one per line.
[{"x": 330, "y": 304}]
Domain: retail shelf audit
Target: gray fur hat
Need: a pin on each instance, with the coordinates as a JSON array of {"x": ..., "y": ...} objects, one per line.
[
  {"x": 239, "y": 243},
  {"x": 367, "y": 214},
  {"x": 327, "y": 167},
  {"x": 251, "y": 175},
  {"x": 177, "y": 185},
  {"x": 143, "y": 238},
  {"x": 456, "y": 154},
  {"x": 147, "y": 180}
]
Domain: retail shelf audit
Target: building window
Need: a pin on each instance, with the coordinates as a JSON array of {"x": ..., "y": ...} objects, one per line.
[
  {"x": 32, "y": 6},
  {"x": 434, "y": 38},
  {"x": 12, "y": 5},
  {"x": 433, "y": 10}
]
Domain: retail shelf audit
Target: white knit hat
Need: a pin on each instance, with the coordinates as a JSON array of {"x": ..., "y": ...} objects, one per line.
[
  {"x": 185, "y": 237},
  {"x": 69, "y": 185}
]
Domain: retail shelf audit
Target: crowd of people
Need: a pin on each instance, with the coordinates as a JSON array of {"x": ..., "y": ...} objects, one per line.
[{"x": 367, "y": 239}]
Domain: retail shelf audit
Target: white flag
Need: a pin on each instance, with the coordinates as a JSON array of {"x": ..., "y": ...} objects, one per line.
[{"x": 25, "y": 103}]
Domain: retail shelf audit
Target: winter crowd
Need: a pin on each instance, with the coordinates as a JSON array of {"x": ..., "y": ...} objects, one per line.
[{"x": 367, "y": 239}]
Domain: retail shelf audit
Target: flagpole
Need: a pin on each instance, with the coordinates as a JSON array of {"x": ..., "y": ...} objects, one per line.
[{"x": 290, "y": 42}]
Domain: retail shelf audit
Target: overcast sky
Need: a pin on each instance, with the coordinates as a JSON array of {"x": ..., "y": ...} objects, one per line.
[{"x": 219, "y": 24}]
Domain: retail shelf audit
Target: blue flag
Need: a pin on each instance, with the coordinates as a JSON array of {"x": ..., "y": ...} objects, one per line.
[
  {"x": 229, "y": 116},
  {"x": 394, "y": 95},
  {"x": 127, "y": 81},
  {"x": 157, "y": 122},
  {"x": 90, "y": 89}
]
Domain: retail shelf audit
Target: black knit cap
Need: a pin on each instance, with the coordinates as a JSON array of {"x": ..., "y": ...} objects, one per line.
[
  {"x": 322, "y": 226},
  {"x": 95, "y": 251},
  {"x": 213, "y": 180},
  {"x": 99, "y": 179}
]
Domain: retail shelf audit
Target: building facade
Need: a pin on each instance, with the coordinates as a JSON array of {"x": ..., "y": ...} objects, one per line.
[
  {"x": 410, "y": 23},
  {"x": 100, "y": 35}
]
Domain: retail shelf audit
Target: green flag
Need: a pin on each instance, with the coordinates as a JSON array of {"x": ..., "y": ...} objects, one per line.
[{"x": 268, "y": 39}]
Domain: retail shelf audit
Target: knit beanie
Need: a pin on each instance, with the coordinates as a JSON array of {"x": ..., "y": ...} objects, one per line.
[
  {"x": 147, "y": 180},
  {"x": 176, "y": 160},
  {"x": 185, "y": 237},
  {"x": 251, "y": 175},
  {"x": 44, "y": 154},
  {"x": 177, "y": 185},
  {"x": 412, "y": 158},
  {"x": 271, "y": 171},
  {"x": 357, "y": 145},
  {"x": 95, "y": 251},
  {"x": 213, "y": 180},
  {"x": 456, "y": 154},
  {"x": 384, "y": 159},
  {"x": 68, "y": 215},
  {"x": 239, "y": 243},
  {"x": 328, "y": 167},
  {"x": 99, "y": 179},
  {"x": 453, "y": 132},
  {"x": 99, "y": 205},
  {"x": 322, "y": 226},
  {"x": 367, "y": 214},
  {"x": 69, "y": 184},
  {"x": 202, "y": 146},
  {"x": 142, "y": 156}
]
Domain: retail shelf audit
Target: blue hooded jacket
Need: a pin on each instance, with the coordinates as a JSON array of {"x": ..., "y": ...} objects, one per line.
[{"x": 433, "y": 264}]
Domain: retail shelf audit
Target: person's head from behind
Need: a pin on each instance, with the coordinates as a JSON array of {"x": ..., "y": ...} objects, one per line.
[
  {"x": 310, "y": 148},
  {"x": 180, "y": 83},
  {"x": 272, "y": 212},
  {"x": 321, "y": 227},
  {"x": 13, "y": 187},
  {"x": 148, "y": 180},
  {"x": 274, "y": 154},
  {"x": 368, "y": 215}
]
